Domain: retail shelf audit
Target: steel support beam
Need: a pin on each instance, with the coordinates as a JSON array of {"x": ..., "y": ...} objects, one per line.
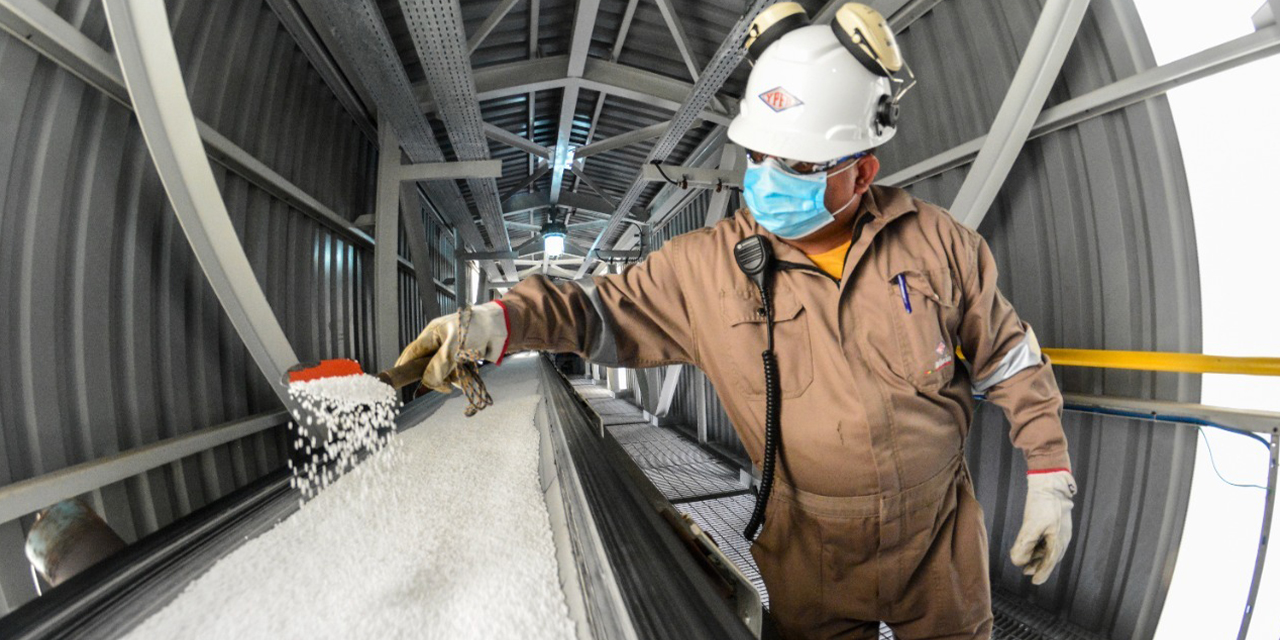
[
  {"x": 722, "y": 64},
  {"x": 461, "y": 170},
  {"x": 909, "y": 12},
  {"x": 648, "y": 87},
  {"x": 1052, "y": 38},
  {"x": 489, "y": 23},
  {"x": 579, "y": 46},
  {"x": 525, "y": 202},
  {"x": 299, "y": 27},
  {"x": 461, "y": 274},
  {"x": 437, "y": 32},
  {"x": 670, "y": 382},
  {"x": 528, "y": 76},
  {"x": 386, "y": 231},
  {"x": 361, "y": 35},
  {"x": 43, "y": 30},
  {"x": 490, "y": 255},
  {"x": 144, "y": 43},
  {"x": 415, "y": 233},
  {"x": 1117, "y": 95},
  {"x": 627, "y": 15},
  {"x": 512, "y": 140},
  {"x": 623, "y": 140},
  {"x": 694, "y": 176},
  {"x": 677, "y": 33},
  {"x": 538, "y": 171},
  {"x": 732, "y": 158},
  {"x": 28, "y": 496}
]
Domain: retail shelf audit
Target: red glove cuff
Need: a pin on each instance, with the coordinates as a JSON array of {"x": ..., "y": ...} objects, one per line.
[{"x": 506, "y": 320}]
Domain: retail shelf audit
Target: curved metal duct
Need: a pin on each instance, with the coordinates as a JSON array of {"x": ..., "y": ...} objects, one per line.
[{"x": 112, "y": 336}]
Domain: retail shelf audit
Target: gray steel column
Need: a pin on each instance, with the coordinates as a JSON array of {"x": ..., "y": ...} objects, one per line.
[
  {"x": 461, "y": 277},
  {"x": 670, "y": 382},
  {"x": 1052, "y": 38},
  {"x": 144, "y": 45},
  {"x": 386, "y": 234},
  {"x": 701, "y": 388},
  {"x": 416, "y": 234}
]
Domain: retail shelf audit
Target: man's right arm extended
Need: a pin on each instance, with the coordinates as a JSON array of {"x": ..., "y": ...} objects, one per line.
[{"x": 638, "y": 318}]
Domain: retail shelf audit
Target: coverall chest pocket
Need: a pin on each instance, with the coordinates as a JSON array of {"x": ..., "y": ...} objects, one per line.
[
  {"x": 745, "y": 339},
  {"x": 925, "y": 314}
]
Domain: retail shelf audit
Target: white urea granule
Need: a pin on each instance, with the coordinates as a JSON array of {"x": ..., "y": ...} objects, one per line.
[
  {"x": 357, "y": 414},
  {"x": 447, "y": 538}
]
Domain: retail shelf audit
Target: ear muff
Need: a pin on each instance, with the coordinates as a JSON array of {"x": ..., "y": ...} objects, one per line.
[
  {"x": 887, "y": 112},
  {"x": 864, "y": 32},
  {"x": 771, "y": 24}
]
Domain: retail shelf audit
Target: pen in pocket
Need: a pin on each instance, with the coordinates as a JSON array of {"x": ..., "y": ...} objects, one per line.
[{"x": 902, "y": 286}]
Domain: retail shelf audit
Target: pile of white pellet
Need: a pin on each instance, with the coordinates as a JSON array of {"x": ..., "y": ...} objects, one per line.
[
  {"x": 447, "y": 538},
  {"x": 356, "y": 415}
]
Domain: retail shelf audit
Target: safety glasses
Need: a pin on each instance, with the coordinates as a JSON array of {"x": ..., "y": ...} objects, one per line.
[{"x": 800, "y": 167}]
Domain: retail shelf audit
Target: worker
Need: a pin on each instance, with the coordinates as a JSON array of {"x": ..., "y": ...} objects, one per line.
[{"x": 872, "y": 515}]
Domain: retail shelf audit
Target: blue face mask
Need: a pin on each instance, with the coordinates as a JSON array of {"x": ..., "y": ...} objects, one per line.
[{"x": 787, "y": 204}]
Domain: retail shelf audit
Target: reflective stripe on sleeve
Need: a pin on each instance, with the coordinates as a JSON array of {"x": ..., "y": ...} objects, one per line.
[
  {"x": 603, "y": 348},
  {"x": 1026, "y": 354}
]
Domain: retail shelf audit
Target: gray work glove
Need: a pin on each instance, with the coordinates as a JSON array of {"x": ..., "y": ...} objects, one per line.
[
  {"x": 487, "y": 335},
  {"x": 1046, "y": 524}
]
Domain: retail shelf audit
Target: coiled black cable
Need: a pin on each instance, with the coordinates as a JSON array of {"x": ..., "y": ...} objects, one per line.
[{"x": 772, "y": 422}]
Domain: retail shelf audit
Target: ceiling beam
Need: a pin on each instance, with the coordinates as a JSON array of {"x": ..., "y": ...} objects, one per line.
[
  {"x": 697, "y": 177},
  {"x": 677, "y": 33},
  {"x": 552, "y": 72},
  {"x": 525, "y": 202},
  {"x": 584, "y": 23},
  {"x": 539, "y": 171},
  {"x": 451, "y": 170},
  {"x": 494, "y": 132},
  {"x": 488, "y": 25},
  {"x": 623, "y": 140}
]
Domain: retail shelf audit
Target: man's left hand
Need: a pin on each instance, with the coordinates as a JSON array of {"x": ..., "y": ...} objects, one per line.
[{"x": 1046, "y": 524}]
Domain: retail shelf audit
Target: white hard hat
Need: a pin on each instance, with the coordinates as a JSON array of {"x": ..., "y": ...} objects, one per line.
[{"x": 808, "y": 99}]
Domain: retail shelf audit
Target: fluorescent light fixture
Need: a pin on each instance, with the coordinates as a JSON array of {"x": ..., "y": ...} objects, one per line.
[
  {"x": 553, "y": 244},
  {"x": 553, "y": 234}
]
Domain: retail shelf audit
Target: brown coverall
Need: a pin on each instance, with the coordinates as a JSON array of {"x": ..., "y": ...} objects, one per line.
[{"x": 873, "y": 515}]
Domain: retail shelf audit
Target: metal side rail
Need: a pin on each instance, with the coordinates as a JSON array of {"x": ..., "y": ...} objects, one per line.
[
  {"x": 114, "y": 596},
  {"x": 645, "y": 571}
]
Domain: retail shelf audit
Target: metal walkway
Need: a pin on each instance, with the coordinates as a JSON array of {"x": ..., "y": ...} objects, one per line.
[{"x": 717, "y": 497}]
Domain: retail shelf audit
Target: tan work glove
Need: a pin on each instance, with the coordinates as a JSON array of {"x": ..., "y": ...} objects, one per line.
[
  {"x": 486, "y": 335},
  {"x": 1046, "y": 524}
]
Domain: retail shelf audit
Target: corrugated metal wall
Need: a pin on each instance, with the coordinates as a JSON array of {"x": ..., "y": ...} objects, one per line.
[
  {"x": 1094, "y": 237},
  {"x": 111, "y": 336}
]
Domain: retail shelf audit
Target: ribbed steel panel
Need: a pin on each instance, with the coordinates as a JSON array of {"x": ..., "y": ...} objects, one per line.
[
  {"x": 113, "y": 337},
  {"x": 1094, "y": 238}
]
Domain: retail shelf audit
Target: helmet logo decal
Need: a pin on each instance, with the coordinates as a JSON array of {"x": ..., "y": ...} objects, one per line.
[{"x": 779, "y": 99}]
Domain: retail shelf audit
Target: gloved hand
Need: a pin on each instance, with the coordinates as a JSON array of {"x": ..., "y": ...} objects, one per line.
[
  {"x": 487, "y": 335},
  {"x": 1046, "y": 524}
]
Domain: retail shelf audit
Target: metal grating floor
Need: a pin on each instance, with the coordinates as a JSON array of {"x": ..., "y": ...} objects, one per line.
[
  {"x": 690, "y": 476},
  {"x": 724, "y": 519}
]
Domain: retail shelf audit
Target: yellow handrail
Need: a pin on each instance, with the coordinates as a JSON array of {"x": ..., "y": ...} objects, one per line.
[{"x": 1160, "y": 361}]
